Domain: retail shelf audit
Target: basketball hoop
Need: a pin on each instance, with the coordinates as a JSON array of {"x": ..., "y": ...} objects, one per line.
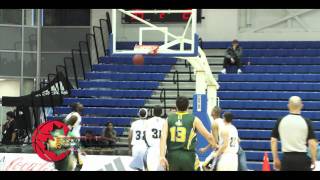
[{"x": 147, "y": 49}]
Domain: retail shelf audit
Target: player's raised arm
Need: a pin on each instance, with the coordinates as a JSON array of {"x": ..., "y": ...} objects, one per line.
[
  {"x": 225, "y": 138},
  {"x": 214, "y": 132},
  {"x": 163, "y": 145},
  {"x": 204, "y": 132}
]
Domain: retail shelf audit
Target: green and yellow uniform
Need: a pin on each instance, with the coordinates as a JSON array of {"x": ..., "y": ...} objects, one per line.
[{"x": 181, "y": 142}]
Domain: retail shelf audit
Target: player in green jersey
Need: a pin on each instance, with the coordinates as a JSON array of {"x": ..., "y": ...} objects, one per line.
[{"x": 179, "y": 137}]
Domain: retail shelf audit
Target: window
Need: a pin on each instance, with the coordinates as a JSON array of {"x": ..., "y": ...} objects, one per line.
[
  {"x": 66, "y": 17},
  {"x": 11, "y": 16}
]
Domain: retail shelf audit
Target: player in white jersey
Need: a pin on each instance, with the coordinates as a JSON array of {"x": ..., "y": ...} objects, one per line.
[
  {"x": 73, "y": 120},
  {"x": 228, "y": 146},
  {"x": 75, "y": 127},
  {"x": 216, "y": 126},
  {"x": 153, "y": 134},
  {"x": 137, "y": 141}
]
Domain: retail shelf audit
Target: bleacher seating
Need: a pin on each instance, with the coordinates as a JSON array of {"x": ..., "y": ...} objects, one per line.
[
  {"x": 114, "y": 91},
  {"x": 132, "y": 68},
  {"x": 111, "y": 93},
  {"x": 272, "y": 73},
  {"x": 281, "y": 60},
  {"x": 272, "y": 95},
  {"x": 119, "y": 84},
  {"x": 266, "y": 45},
  {"x": 270, "y": 78},
  {"x": 267, "y": 86},
  {"x": 126, "y": 76}
]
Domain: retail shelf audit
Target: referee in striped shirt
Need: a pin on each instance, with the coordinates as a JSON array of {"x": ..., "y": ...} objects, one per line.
[{"x": 295, "y": 133}]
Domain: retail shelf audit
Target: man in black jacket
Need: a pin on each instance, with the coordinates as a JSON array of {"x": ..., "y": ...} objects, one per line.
[
  {"x": 9, "y": 131},
  {"x": 232, "y": 57}
]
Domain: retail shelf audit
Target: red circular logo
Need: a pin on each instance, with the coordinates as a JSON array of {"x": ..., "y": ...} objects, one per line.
[{"x": 46, "y": 134}]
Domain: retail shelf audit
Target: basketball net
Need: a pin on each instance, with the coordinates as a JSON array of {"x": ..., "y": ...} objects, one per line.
[{"x": 148, "y": 49}]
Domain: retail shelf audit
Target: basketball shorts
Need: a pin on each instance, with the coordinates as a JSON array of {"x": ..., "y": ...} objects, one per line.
[
  {"x": 138, "y": 158},
  {"x": 228, "y": 162},
  {"x": 153, "y": 159},
  {"x": 180, "y": 160}
]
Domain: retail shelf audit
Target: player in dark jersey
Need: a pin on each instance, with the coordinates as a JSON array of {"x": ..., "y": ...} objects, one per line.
[{"x": 179, "y": 137}]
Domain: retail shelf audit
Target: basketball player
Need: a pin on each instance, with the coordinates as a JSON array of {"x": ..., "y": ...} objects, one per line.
[
  {"x": 73, "y": 120},
  {"x": 153, "y": 134},
  {"x": 179, "y": 137},
  {"x": 137, "y": 141},
  {"x": 73, "y": 161},
  {"x": 216, "y": 126},
  {"x": 228, "y": 146}
]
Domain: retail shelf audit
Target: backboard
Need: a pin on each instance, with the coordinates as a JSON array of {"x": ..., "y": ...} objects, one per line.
[{"x": 135, "y": 32}]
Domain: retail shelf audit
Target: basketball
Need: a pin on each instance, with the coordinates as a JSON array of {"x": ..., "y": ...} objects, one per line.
[{"x": 138, "y": 59}]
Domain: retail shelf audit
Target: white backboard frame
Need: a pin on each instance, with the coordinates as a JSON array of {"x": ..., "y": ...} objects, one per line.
[{"x": 164, "y": 50}]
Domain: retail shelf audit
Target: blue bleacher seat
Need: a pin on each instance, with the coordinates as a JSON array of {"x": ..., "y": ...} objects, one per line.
[
  {"x": 265, "y": 86},
  {"x": 256, "y": 144},
  {"x": 147, "y": 60},
  {"x": 265, "y": 44},
  {"x": 270, "y": 114},
  {"x": 267, "y": 95},
  {"x": 259, "y": 104},
  {"x": 102, "y": 121},
  {"x": 269, "y": 77},
  {"x": 123, "y": 112},
  {"x": 280, "y": 52},
  {"x": 132, "y": 68},
  {"x": 262, "y": 124},
  {"x": 119, "y": 84},
  {"x": 127, "y": 76},
  {"x": 281, "y": 60},
  {"x": 254, "y": 134},
  {"x": 96, "y": 102},
  {"x": 112, "y": 93},
  {"x": 306, "y": 69}
]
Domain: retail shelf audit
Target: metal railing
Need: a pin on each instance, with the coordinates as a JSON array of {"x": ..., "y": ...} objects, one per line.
[
  {"x": 89, "y": 46},
  {"x": 163, "y": 99},
  {"x": 73, "y": 67},
  {"x": 43, "y": 84},
  {"x": 88, "y": 38},
  {"x": 87, "y": 50},
  {"x": 97, "y": 31},
  {"x": 73, "y": 54},
  {"x": 188, "y": 65},
  {"x": 66, "y": 76},
  {"x": 176, "y": 81},
  {"x": 50, "y": 92}
]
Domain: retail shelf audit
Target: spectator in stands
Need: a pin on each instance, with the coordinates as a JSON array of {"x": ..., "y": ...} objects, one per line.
[
  {"x": 232, "y": 57},
  {"x": 9, "y": 131},
  {"x": 88, "y": 140},
  {"x": 109, "y": 135}
]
